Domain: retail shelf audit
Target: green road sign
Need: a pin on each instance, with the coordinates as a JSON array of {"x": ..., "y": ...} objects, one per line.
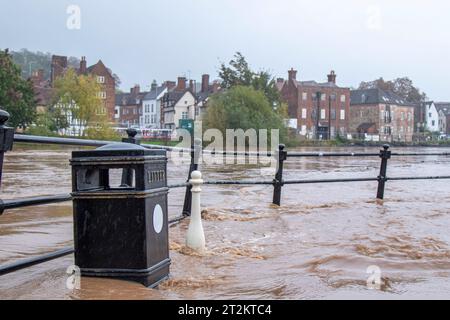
[{"x": 187, "y": 124}]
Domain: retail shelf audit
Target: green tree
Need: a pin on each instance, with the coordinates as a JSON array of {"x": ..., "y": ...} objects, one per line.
[
  {"x": 77, "y": 96},
  {"x": 404, "y": 87},
  {"x": 16, "y": 94},
  {"x": 242, "y": 107},
  {"x": 238, "y": 73}
]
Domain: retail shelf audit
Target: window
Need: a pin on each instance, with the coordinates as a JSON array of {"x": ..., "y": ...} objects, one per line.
[
  {"x": 100, "y": 79},
  {"x": 402, "y": 116},
  {"x": 342, "y": 114},
  {"x": 101, "y": 94},
  {"x": 430, "y": 115},
  {"x": 342, "y": 97},
  {"x": 304, "y": 95},
  {"x": 304, "y": 113},
  {"x": 322, "y": 114},
  {"x": 323, "y": 97},
  {"x": 433, "y": 122},
  {"x": 153, "y": 109},
  {"x": 314, "y": 114},
  {"x": 184, "y": 115}
]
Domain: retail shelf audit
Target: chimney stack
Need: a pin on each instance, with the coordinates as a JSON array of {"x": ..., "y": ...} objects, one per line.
[
  {"x": 292, "y": 74},
  {"x": 170, "y": 84},
  {"x": 181, "y": 85},
  {"x": 205, "y": 82},
  {"x": 83, "y": 67},
  {"x": 191, "y": 86},
  {"x": 135, "y": 90},
  {"x": 154, "y": 85},
  {"x": 332, "y": 77}
]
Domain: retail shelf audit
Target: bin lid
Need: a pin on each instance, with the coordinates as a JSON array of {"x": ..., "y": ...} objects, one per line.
[
  {"x": 114, "y": 150},
  {"x": 121, "y": 146}
]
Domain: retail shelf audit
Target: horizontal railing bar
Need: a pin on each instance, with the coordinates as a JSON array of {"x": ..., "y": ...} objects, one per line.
[
  {"x": 58, "y": 140},
  {"x": 15, "y": 266},
  {"x": 328, "y": 180},
  {"x": 178, "y": 185},
  {"x": 239, "y": 153},
  {"x": 38, "y": 200},
  {"x": 331, "y": 154},
  {"x": 419, "y": 178},
  {"x": 356, "y": 154},
  {"x": 238, "y": 182},
  {"x": 82, "y": 142},
  {"x": 420, "y": 154}
]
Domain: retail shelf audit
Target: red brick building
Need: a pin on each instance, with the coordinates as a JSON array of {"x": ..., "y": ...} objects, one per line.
[
  {"x": 320, "y": 109},
  {"x": 102, "y": 74}
]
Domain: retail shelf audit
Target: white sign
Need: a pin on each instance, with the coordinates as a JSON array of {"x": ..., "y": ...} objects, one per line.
[{"x": 158, "y": 219}]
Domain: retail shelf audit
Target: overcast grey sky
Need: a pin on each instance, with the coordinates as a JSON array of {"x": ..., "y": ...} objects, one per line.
[{"x": 142, "y": 40}]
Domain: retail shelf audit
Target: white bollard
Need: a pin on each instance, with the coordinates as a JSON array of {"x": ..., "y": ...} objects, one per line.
[{"x": 195, "y": 238}]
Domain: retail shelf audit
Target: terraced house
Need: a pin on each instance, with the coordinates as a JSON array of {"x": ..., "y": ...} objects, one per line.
[
  {"x": 316, "y": 110},
  {"x": 379, "y": 115}
]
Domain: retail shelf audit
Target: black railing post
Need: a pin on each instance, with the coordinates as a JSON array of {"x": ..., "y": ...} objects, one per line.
[
  {"x": 278, "y": 181},
  {"x": 127, "y": 174},
  {"x": 196, "y": 149},
  {"x": 6, "y": 138},
  {"x": 385, "y": 154}
]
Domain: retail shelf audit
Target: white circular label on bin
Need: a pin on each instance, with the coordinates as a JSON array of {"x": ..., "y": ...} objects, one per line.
[{"x": 158, "y": 218}]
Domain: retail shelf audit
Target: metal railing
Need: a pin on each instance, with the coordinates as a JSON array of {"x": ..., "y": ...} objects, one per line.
[{"x": 277, "y": 182}]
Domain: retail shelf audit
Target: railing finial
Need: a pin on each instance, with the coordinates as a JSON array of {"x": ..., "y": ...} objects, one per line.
[{"x": 4, "y": 117}]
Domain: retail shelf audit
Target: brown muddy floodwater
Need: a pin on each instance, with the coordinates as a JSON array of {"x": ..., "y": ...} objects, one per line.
[{"x": 317, "y": 245}]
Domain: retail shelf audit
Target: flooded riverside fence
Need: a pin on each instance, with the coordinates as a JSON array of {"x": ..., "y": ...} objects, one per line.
[{"x": 278, "y": 182}]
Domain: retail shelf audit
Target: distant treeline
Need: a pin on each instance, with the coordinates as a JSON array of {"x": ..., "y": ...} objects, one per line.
[{"x": 30, "y": 61}]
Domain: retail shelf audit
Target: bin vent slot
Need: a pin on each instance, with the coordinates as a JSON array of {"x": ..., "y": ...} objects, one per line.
[{"x": 122, "y": 178}]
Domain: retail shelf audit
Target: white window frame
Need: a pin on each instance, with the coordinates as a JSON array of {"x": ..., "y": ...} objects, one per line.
[{"x": 304, "y": 113}]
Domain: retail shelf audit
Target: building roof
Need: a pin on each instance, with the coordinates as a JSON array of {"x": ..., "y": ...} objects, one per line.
[
  {"x": 127, "y": 98},
  {"x": 154, "y": 93},
  {"x": 444, "y": 107},
  {"x": 377, "y": 96},
  {"x": 175, "y": 95},
  {"x": 312, "y": 83},
  {"x": 203, "y": 96}
]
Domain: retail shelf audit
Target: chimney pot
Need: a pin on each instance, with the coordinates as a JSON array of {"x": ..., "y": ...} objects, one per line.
[
  {"x": 292, "y": 74},
  {"x": 83, "y": 67},
  {"x": 332, "y": 77}
]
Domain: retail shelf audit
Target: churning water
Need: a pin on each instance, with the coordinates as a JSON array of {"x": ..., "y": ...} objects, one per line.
[{"x": 318, "y": 244}]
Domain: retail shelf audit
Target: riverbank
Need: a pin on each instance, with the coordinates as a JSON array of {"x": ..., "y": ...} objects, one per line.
[{"x": 358, "y": 143}]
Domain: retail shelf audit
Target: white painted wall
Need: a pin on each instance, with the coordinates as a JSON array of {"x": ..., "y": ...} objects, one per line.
[
  {"x": 151, "y": 112},
  {"x": 431, "y": 118}
]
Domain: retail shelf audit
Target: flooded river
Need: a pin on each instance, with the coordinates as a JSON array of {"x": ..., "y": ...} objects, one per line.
[{"x": 317, "y": 245}]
